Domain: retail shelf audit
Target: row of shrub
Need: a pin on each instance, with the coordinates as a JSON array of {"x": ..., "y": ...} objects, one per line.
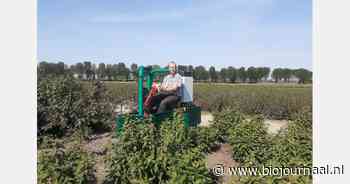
[
  {"x": 275, "y": 101},
  {"x": 271, "y": 101},
  {"x": 173, "y": 154},
  {"x": 144, "y": 153},
  {"x": 166, "y": 154},
  {"x": 252, "y": 146}
]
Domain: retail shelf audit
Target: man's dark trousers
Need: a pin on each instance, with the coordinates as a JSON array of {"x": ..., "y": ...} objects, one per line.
[{"x": 163, "y": 102}]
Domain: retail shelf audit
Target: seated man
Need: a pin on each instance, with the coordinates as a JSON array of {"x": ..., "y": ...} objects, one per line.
[{"x": 169, "y": 93}]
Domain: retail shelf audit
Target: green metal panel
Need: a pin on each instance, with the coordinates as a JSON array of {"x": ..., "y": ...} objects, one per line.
[
  {"x": 192, "y": 116},
  {"x": 140, "y": 90},
  {"x": 187, "y": 119},
  {"x": 119, "y": 121}
]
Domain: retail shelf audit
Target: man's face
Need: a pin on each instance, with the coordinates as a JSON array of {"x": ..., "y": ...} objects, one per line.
[{"x": 172, "y": 68}]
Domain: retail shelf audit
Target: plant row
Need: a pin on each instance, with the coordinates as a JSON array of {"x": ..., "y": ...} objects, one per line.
[{"x": 252, "y": 146}]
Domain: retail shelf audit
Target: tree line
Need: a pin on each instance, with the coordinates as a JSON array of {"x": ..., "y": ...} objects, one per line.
[{"x": 121, "y": 72}]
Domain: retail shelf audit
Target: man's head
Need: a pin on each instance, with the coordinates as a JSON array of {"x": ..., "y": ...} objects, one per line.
[{"x": 172, "y": 67}]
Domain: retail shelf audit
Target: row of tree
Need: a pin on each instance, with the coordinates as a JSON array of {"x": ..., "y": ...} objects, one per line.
[
  {"x": 119, "y": 71},
  {"x": 231, "y": 74},
  {"x": 286, "y": 74}
]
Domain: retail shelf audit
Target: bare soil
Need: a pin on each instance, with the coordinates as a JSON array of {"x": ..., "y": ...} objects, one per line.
[
  {"x": 99, "y": 145},
  {"x": 222, "y": 156},
  {"x": 275, "y": 125}
]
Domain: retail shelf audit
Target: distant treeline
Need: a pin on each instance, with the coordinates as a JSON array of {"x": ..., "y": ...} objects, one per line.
[{"x": 121, "y": 72}]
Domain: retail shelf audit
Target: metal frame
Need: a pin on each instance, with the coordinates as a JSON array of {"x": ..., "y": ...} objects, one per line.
[{"x": 142, "y": 73}]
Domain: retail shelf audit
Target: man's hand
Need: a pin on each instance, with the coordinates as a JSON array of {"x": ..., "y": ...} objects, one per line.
[{"x": 156, "y": 85}]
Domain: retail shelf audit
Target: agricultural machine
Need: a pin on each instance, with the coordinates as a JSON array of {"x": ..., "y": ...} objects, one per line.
[{"x": 146, "y": 77}]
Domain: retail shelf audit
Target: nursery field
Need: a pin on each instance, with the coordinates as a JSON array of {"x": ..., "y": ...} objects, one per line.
[
  {"x": 274, "y": 101},
  {"x": 77, "y": 141}
]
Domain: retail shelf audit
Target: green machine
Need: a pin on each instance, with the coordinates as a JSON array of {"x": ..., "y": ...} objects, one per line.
[{"x": 146, "y": 76}]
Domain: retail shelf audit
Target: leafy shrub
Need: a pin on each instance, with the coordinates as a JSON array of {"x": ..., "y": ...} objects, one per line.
[
  {"x": 64, "y": 106},
  {"x": 189, "y": 168},
  {"x": 147, "y": 154},
  {"x": 59, "y": 105},
  {"x": 205, "y": 138},
  {"x": 223, "y": 122},
  {"x": 290, "y": 148},
  {"x": 303, "y": 118},
  {"x": 97, "y": 109},
  {"x": 293, "y": 146},
  {"x": 250, "y": 142},
  {"x": 58, "y": 165}
]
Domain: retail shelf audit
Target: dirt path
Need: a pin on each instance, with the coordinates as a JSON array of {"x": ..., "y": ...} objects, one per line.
[
  {"x": 275, "y": 125},
  {"x": 98, "y": 145},
  {"x": 222, "y": 156}
]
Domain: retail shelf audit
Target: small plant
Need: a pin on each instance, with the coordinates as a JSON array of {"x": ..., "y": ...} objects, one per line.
[
  {"x": 205, "y": 138},
  {"x": 224, "y": 121},
  {"x": 250, "y": 142},
  {"x": 60, "y": 165},
  {"x": 293, "y": 146}
]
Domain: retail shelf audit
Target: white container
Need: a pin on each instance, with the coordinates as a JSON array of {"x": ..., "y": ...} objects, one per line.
[{"x": 187, "y": 89}]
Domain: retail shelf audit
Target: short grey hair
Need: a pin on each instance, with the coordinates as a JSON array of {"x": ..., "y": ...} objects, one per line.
[{"x": 172, "y": 62}]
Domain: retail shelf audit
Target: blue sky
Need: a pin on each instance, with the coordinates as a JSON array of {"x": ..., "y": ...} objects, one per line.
[{"x": 274, "y": 33}]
